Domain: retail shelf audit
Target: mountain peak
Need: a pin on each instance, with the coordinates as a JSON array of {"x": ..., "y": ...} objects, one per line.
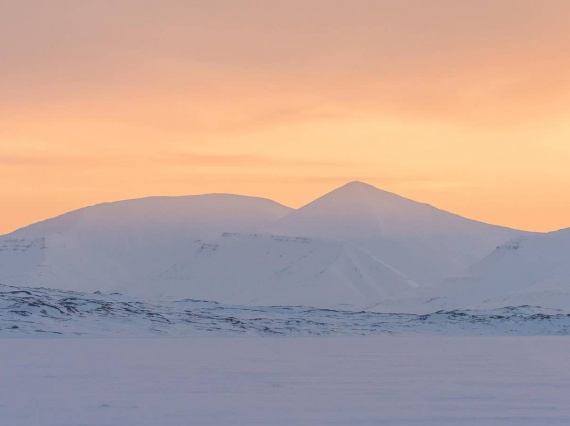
[
  {"x": 357, "y": 184},
  {"x": 361, "y": 194},
  {"x": 360, "y": 210},
  {"x": 356, "y": 209}
]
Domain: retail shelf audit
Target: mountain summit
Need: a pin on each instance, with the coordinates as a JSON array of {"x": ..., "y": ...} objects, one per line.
[
  {"x": 361, "y": 210},
  {"x": 422, "y": 242}
]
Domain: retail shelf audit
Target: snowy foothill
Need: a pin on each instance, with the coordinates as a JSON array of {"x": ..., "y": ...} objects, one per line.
[{"x": 31, "y": 312}]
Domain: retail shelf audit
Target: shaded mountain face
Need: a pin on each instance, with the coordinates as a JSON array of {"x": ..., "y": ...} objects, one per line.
[
  {"x": 350, "y": 249},
  {"x": 422, "y": 242}
]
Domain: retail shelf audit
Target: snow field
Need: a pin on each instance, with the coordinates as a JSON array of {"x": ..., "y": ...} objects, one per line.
[{"x": 293, "y": 381}]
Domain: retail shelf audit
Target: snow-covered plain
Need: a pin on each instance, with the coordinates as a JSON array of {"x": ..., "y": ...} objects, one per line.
[{"x": 395, "y": 381}]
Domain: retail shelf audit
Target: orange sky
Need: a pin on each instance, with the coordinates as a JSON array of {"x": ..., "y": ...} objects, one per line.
[{"x": 462, "y": 104}]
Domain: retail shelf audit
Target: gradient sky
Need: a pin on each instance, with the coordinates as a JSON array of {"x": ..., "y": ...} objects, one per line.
[{"x": 461, "y": 104}]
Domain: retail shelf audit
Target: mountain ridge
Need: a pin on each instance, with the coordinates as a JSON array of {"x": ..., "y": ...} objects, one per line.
[
  {"x": 348, "y": 185},
  {"x": 353, "y": 247}
]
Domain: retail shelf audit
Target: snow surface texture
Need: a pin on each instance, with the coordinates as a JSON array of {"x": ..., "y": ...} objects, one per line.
[
  {"x": 435, "y": 381},
  {"x": 356, "y": 248},
  {"x": 27, "y": 312}
]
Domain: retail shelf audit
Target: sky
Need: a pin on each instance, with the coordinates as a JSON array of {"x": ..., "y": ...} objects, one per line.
[{"x": 461, "y": 104}]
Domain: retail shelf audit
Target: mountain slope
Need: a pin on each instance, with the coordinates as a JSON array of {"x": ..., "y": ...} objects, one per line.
[
  {"x": 104, "y": 246},
  {"x": 257, "y": 269},
  {"x": 528, "y": 270},
  {"x": 207, "y": 214},
  {"x": 422, "y": 242},
  {"x": 533, "y": 270}
]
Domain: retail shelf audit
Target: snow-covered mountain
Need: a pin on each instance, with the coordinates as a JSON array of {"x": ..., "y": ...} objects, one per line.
[
  {"x": 422, "y": 242},
  {"x": 107, "y": 246},
  {"x": 533, "y": 270},
  {"x": 276, "y": 270},
  {"x": 529, "y": 270},
  {"x": 353, "y": 248},
  {"x": 163, "y": 217}
]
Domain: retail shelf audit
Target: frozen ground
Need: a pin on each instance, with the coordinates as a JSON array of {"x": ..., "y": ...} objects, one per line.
[
  {"x": 382, "y": 380},
  {"x": 31, "y": 312}
]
